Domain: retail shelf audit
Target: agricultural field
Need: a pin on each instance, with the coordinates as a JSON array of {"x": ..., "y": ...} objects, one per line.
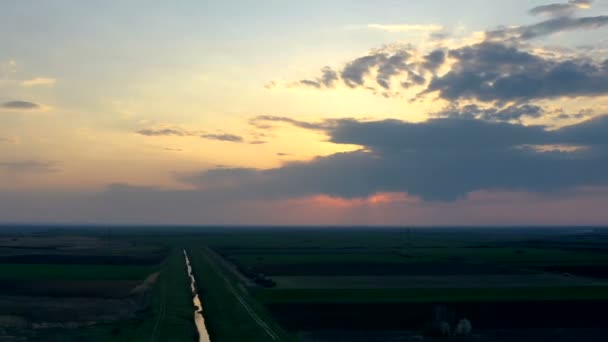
[
  {"x": 128, "y": 285},
  {"x": 68, "y": 285},
  {"x": 399, "y": 284},
  {"x": 304, "y": 284}
]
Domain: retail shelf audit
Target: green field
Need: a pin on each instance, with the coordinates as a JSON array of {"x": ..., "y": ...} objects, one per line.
[
  {"x": 362, "y": 279},
  {"x": 441, "y": 295},
  {"x": 387, "y": 281},
  {"x": 230, "y": 312},
  {"x": 75, "y": 272},
  {"x": 168, "y": 318}
]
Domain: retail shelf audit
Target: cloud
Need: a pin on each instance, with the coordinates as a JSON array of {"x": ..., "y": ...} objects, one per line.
[
  {"x": 487, "y": 71},
  {"x": 223, "y": 137},
  {"x": 561, "y": 20},
  {"x": 436, "y": 160},
  {"x": 406, "y": 28},
  {"x": 180, "y": 132},
  {"x": 434, "y": 60},
  {"x": 507, "y": 113},
  {"x": 388, "y": 64},
  {"x": 396, "y": 135},
  {"x": 20, "y": 105},
  {"x": 477, "y": 64},
  {"x": 38, "y": 81},
  {"x": 439, "y": 164},
  {"x": 220, "y": 178},
  {"x": 354, "y": 71},
  {"x": 496, "y": 72},
  {"x": 327, "y": 79},
  {"x": 396, "y": 67},
  {"x": 590, "y": 132},
  {"x": 152, "y": 132},
  {"x": 127, "y": 204},
  {"x": 548, "y": 27},
  {"x": 262, "y": 122},
  {"x": 561, "y": 9},
  {"x": 28, "y": 166},
  {"x": 582, "y": 114}
]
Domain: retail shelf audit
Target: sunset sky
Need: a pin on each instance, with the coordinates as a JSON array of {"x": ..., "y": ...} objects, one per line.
[{"x": 360, "y": 112}]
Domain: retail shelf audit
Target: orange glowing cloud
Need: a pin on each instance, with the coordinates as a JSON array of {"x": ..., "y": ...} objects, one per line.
[{"x": 339, "y": 202}]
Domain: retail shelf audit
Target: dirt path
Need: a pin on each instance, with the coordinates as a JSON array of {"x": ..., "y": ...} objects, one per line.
[
  {"x": 254, "y": 315},
  {"x": 229, "y": 266}
]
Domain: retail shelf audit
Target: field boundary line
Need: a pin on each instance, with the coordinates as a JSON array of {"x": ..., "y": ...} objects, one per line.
[{"x": 161, "y": 312}]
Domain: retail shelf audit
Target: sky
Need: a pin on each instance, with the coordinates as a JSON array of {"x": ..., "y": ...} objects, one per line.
[{"x": 275, "y": 112}]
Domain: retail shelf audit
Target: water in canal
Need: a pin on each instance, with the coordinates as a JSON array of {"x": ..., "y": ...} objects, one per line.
[{"x": 199, "y": 320}]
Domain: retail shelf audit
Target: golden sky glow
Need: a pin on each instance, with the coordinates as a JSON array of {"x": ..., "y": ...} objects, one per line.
[{"x": 93, "y": 96}]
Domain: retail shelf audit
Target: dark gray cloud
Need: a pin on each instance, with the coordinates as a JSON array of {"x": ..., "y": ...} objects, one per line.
[
  {"x": 355, "y": 71},
  {"x": 165, "y": 132},
  {"x": 439, "y": 36},
  {"x": 434, "y": 60},
  {"x": 265, "y": 122},
  {"x": 28, "y": 166},
  {"x": 548, "y": 27},
  {"x": 414, "y": 80},
  {"x": 392, "y": 135},
  {"x": 438, "y": 160},
  {"x": 561, "y": 20},
  {"x": 561, "y": 9},
  {"x": 513, "y": 112},
  {"x": 327, "y": 79},
  {"x": 153, "y": 132},
  {"x": 582, "y": 114},
  {"x": 592, "y": 132},
  {"x": 496, "y": 72},
  {"x": 393, "y": 65},
  {"x": 20, "y": 105},
  {"x": 224, "y": 177},
  {"x": 538, "y": 75},
  {"x": 387, "y": 64},
  {"x": 223, "y": 137}
]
